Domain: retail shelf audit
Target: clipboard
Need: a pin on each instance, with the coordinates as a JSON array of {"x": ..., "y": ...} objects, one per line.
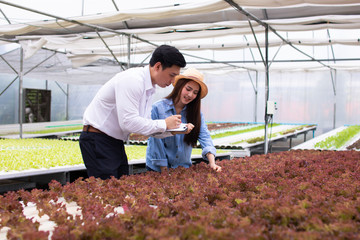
[{"x": 181, "y": 128}]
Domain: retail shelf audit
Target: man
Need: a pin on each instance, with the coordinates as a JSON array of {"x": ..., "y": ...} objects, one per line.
[{"x": 122, "y": 106}]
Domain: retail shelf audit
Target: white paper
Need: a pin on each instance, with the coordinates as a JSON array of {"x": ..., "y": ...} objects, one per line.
[{"x": 181, "y": 128}]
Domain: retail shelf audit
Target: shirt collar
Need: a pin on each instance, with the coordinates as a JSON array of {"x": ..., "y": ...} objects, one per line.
[{"x": 149, "y": 87}]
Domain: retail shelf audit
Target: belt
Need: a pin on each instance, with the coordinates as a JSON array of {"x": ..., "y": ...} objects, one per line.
[{"x": 89, "y": 128}]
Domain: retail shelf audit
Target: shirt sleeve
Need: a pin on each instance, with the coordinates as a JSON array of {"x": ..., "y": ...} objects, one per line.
[
  {"x": 155, "y": 116},
  {"x": 156, "y": 147},
  {"x": 205, "y": 140},
  {"x": 129, "y": 95}
]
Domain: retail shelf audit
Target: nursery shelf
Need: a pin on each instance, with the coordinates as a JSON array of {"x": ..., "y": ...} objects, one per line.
[
  {"x": 240, "y": 140},
  {"x": 11, "y": 131},
  {"x": 311, "y": 144}
]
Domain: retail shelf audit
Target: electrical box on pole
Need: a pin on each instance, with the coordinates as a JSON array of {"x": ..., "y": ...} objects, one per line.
[{"x": 271, "y": 107}]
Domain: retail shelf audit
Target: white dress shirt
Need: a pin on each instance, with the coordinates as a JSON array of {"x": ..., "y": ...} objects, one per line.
[{"x": 123, "y": 106}]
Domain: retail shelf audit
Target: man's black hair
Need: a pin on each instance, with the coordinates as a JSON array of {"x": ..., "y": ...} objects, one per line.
[{"x": 167, "y": 56}]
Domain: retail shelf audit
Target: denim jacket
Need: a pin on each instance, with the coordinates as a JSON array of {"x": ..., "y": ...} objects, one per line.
[{"x": 173, "y": 151}]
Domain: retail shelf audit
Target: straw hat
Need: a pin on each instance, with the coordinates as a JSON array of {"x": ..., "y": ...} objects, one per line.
[{"x": 195, "y": 75}]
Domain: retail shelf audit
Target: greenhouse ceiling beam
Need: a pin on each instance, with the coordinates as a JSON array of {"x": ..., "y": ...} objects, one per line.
[
  {"x": 94, "y": 27},
  {"x": 115, "y": 5},
  {"x": 331, "y": 46},
  {"x": 257, "y": 42},
  {"x": 251, "y": 52},
  {"x": 252, "y": 17},
  {"x": 6, "y": 88},
  {"x": 17, "y": 73},
  {"x": 40, "y": 63},
  {"x": 91, "y": 26},
  {"x": 214, "y": 61},
  {"x": 6, "y": 18},
  {"x": 272, "y": 60},
  {"x": 207, "y": 60},
  {"x": 129, "y": 38},
  {"x": 17, "y": 41},
  {"x": 280, "y": 61},
  {"x": 8, "y": 64},
  {"x": 109, "y": 49}
]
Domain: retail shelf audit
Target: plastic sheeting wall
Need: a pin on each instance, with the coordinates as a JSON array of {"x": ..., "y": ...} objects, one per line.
[
  {"x": 301, "y": 97},
  {"x": 9, "y": 100}
]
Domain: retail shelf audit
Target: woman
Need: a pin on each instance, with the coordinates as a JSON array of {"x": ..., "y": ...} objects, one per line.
[{"x": 175, "y": 150}]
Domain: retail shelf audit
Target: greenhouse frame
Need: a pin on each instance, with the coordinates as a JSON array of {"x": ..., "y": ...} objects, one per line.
[
  {"x": 303, "y": 55},
  {"x": 282, "y": 113}
]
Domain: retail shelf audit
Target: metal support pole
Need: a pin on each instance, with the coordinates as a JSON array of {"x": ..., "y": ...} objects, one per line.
[
  {"x": 21, "y": 92},
  {"x": 256, "y": 97},
  {"x": 129, "y": 52},
  {"x": 267, "y": 117},
  {"x": 67, "y": 103},
  {"x": 333, "y": 80}
]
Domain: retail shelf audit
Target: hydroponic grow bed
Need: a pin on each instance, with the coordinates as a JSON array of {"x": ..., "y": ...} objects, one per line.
[
  {"x": 254, "y": 136},
  {"x": 35, "y": 162},
  {"x": 297, "y": 194},
  {"x": 341, "y": 138},
  {"x": 41, "y": 129}
]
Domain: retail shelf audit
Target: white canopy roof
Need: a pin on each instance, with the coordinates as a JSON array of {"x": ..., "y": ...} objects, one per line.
[{"x": 206, "y": 31}]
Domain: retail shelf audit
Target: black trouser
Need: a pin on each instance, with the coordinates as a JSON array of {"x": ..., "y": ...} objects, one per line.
[{"x": 104, "y": 156}]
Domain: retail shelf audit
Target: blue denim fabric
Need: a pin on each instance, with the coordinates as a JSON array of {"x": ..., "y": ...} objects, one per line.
[{"x": 173, "y": 151}]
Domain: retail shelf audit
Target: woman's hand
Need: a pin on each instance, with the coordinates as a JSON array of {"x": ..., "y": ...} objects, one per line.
[
  {"x": 190, "y": 127},
  {"x": 212, "y": 163},
  {"x": 215, "y": 167}
]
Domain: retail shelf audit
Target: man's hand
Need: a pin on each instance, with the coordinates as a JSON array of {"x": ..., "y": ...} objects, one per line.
[
  {"x": 190, "y": 127},
  {"x": 173, "y": 121}
]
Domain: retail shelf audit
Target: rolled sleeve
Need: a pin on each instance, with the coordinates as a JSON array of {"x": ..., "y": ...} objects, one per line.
[
  {"x": 156, "y": 154},
  {"x": 208, "y": 149},
  {"x": 159, "y": 162}
]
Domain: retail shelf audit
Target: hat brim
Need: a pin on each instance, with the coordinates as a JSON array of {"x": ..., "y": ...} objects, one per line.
[{"x": 204, "y": 89}]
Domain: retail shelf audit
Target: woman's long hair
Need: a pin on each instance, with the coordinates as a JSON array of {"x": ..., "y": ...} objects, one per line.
[{"x": 192, "y": 111}]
